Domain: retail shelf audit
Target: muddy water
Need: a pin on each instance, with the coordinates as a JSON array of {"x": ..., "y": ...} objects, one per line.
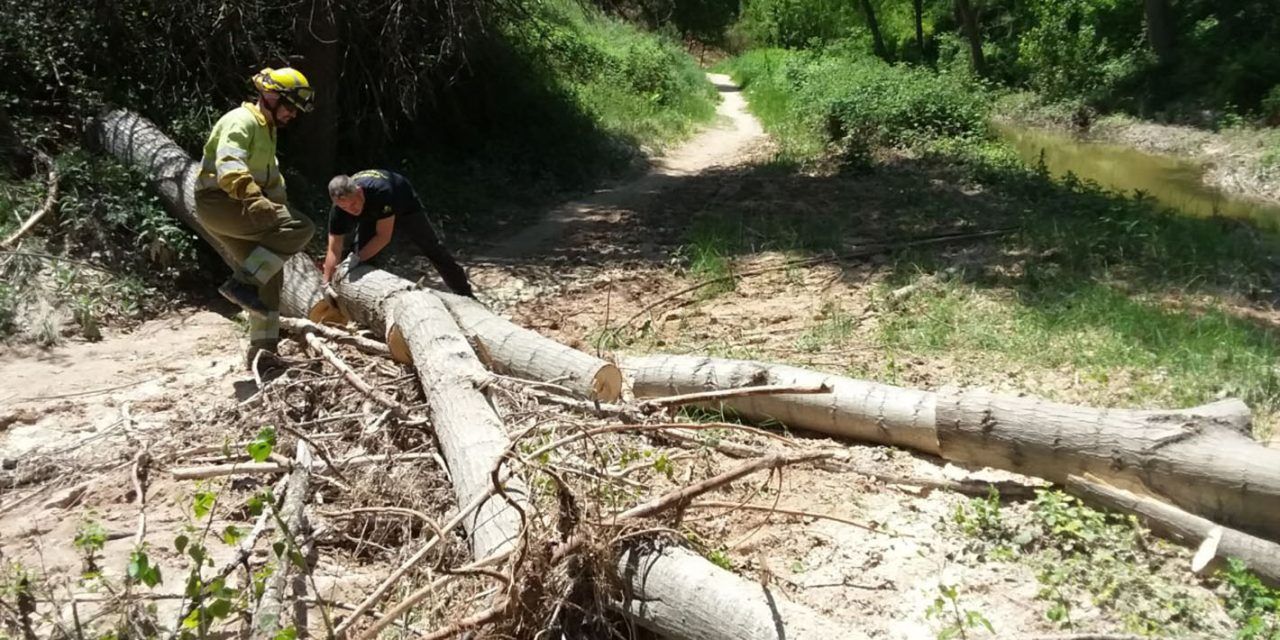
[{"x": 1174, "y": 182}]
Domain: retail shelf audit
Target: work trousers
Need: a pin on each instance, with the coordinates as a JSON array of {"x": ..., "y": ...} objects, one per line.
[
  {"x": 259, "y": 243},
  {"x": 416, "y": 228}
]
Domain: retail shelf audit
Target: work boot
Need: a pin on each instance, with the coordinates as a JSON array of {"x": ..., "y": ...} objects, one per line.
[
  {"x": 243, "y": 295},
  {"x": 270, "y": 364}
]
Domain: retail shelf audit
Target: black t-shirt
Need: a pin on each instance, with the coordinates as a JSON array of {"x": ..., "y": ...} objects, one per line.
[{"x": 386, "y": 194}]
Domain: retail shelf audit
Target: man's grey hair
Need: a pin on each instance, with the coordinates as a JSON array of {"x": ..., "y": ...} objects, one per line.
[{"x": 342, "y": 186}]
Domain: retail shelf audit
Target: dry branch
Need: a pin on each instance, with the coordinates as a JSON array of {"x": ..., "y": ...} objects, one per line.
[
  {"x": 50, "y": 202},
  {"x": 371, "y": 347},
  {"x": 649, "y": 406},
  {"x": 397, "y": 409}
]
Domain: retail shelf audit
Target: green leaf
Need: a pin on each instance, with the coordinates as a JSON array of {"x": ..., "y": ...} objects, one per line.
[
  {"x": 288, "y": 633},
  {"x": 260, "y": 448},
  {"x": 219, "y": 608},
  {"x": 180, "y": 542},
  {"x": 231, "y": 534},
  {"x": 202, "y": 504},
  {"x": 192, "y": 620},
  {"x": 278, "y": 547}
]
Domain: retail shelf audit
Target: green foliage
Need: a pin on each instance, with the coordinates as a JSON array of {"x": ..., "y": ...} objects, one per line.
[
  {"x": 956, "y": 622},
  {"x": 141, "y": 569},
  {"x": 1080, "y": 552},
  {"x": 1253, "y": 605},
  {"x": 857, "y": 102},
  {"x": 261, "y": 446},
  {"x": 719, "y": 558},
  {"x": 1082, "y": 48}
]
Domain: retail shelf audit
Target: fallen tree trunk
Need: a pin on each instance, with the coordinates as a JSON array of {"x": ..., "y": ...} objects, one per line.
[
  {"x": 526, "y": 354},
  {"x": 1196, "y": 458},
  {"x": 1262, "y": 556},
  {"x": 678, "y": 594},
  {"x": 137, "y": 142},
  {"x": 469, "y": 432},
  {"x": 472, "y": 439}
]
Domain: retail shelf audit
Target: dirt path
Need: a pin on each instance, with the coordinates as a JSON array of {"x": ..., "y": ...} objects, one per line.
[
  {"x": 77, "y": 393},
  {"x": 734, "y": 133}
]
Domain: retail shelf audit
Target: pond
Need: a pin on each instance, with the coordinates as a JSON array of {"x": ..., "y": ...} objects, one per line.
[{"x": 1174, "y": 182}]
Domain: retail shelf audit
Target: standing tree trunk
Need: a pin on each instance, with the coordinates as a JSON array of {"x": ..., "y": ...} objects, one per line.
[
  {"x": 874, "y": 25},
  {"x": 1160, "y": 29},
  {"x": 918, "y": 6},
  {"x": 969, "y": 20},
  {"x": 314, "y": 147}
]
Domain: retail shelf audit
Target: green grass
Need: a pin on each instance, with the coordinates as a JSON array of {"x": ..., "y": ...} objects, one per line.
[{"x": 1097, "y": 331}]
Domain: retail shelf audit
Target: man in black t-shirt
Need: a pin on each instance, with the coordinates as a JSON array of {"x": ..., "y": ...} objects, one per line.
[{"x": 373, "y": 204}]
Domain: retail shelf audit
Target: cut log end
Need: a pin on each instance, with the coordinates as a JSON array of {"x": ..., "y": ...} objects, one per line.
[
  {"x": 326, "y": 313},
  {"x": 399, "y": 347},
  {"x": 607, "y": 384}
]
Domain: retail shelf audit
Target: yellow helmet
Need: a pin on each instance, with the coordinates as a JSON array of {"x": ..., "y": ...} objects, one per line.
[{"x": 290, "y": 84}]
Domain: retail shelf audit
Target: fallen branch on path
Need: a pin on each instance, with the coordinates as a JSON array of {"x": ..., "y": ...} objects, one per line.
[{"x": 259, "y": 468}]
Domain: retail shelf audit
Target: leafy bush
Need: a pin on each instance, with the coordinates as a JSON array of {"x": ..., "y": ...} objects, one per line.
[{"x": 845, "y": 98}]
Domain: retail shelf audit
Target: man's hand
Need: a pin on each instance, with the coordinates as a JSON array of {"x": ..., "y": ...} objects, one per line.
[{"x": 331, "y": 258}]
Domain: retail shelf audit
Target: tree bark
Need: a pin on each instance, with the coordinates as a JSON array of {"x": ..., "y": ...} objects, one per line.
[
  {"x": 315, "y": 145},
  {"x": 918, "y": 7},
  {"x": 468, "y": 430},
  {"x": 1160, "y": 29},
  {"x": 1261, "y": 556},
  {"x": 1197, "y": 458},
  {"x": 877, "y": 40},
  {"x": 973, "y": 32},
  {"x": 678, "y": 594},
  {"x": 139, "y": 143},
  {"x": 523, "y": 353}
]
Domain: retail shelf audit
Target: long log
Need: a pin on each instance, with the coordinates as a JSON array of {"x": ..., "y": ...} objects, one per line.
[
  {"x": 137, "y": 142},
  {"x": 1262, "y": 556},
  {"x": 467, "y": 428},
  {"x": 1196, "y": 458},
  {"x": 267, "y": 619},
  {"x": 523, "y": 353},
  {"x": 678, "y": 594}
]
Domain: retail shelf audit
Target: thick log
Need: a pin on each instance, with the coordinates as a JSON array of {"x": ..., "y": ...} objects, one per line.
[
  {"x": 854, "y": 409},
  {"x": 467, "y": 428},
  {"x": 137, "y": 142},
  {"x": 678, "y": 594},
  {"x": 526, "y": 354},
  {"x": 1196, "y": 458},
  {"x": 1199, "y": 459},
  {"x": 1261, "y": 556}
]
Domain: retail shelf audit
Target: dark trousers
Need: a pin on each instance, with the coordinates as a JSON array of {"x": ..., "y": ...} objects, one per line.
[{"x": 416, "y": 228}]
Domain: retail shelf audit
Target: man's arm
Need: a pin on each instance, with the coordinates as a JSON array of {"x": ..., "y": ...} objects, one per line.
[
  {"x": 380, "y": 239},
  {"x": 331, "y": 257}
]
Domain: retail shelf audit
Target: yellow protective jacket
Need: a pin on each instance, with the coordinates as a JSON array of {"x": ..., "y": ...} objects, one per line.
[{"x": 240, "y": 156}]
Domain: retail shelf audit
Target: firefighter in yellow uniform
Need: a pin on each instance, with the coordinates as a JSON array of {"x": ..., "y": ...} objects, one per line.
[{"x": 240, "y": 199}]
